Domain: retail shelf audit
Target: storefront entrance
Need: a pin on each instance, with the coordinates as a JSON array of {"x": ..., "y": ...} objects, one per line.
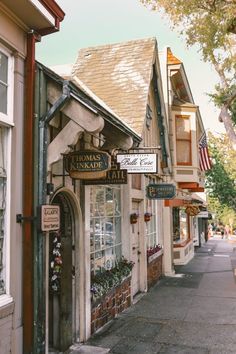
[{"x": 61, "y": 279}]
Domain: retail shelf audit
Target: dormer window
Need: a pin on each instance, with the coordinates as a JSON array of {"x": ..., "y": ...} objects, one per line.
[{"x": 183, "y": 140}]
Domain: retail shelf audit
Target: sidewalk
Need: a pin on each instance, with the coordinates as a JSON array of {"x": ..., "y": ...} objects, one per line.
[{"x": 192, "y": 312}]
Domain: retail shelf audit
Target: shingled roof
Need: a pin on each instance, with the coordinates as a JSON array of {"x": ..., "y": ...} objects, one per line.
[{"x": 120, "y": 75}]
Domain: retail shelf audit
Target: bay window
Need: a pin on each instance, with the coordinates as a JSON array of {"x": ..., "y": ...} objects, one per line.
[{"x": 183, "y": 140}]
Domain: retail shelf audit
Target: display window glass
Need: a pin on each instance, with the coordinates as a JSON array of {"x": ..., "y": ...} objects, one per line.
[
  {"x": 152, "y": 223},
  {"x": 105, "y": 227},
  {"x": 180, "y": 226}
]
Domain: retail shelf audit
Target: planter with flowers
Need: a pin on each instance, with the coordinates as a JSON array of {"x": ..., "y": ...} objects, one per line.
[
  {"x": 147, "y": 216},
  {"x": 134, "y": 218},
  {"x": 154, "y": 252},
  {"x": 154, "y": 266},
  {"x": 110, "y": 293}
]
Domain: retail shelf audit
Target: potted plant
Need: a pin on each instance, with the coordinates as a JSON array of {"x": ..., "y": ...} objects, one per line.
[
  {"x": 147, "y": 216},
  {"x": 134, "y": 218}
]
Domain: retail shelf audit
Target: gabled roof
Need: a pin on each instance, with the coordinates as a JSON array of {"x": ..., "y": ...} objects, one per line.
[
  {"x": 171, "y": 59},
  {"x": 120, "y": 75}
]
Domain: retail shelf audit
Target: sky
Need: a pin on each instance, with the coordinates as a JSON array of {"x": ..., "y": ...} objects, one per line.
[{"x": 97, "y": 22}]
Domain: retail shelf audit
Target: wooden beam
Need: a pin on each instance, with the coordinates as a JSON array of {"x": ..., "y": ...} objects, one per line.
[
  {"x": 199, "y": 189},
  {"x": 188, "y": 185},
  {"x": 174, "y": 202}
]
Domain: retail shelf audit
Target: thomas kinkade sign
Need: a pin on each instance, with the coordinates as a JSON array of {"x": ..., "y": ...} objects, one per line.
[
  {"x": 114, "y": 176},
  {"x": 138, "y": 163},
  {"x": 87, "y": 164},
  {"x": 160, "y": 191}
]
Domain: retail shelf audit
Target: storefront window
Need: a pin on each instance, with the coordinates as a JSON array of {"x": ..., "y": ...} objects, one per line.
[
  {"x": 152, "y": 225},
  {"x": 105, "y": 227},
  {"x": 180, "y": 226}
]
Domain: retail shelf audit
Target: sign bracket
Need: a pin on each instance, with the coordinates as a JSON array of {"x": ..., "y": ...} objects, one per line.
[{"x": 20, "y": 218}]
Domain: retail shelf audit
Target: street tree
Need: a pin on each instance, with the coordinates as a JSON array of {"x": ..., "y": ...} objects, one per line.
[
  {"x": 220, "y": 180},
  {"x": 211, "y": 25}
]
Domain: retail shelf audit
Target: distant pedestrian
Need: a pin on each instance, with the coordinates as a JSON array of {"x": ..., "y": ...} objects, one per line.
[{"x": 222, "y": 232}]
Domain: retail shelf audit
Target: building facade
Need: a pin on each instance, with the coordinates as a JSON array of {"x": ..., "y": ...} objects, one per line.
[
  {"x": 21, "y": 25},
  {"x": 185, "y": 131}
]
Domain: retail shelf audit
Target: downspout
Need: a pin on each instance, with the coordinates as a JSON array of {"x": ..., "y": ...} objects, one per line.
[
  {"x": 28, "y": 196},
  {"x": 41, "y": 188}
]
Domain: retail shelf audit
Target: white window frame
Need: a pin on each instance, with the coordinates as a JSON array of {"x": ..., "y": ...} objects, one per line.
[{"x": 6, "y": 120}]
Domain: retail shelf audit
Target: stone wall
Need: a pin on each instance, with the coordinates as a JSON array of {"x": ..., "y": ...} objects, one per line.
[
  {"x": 110, "y": 305},
  {"x": 154, "y": 270}
]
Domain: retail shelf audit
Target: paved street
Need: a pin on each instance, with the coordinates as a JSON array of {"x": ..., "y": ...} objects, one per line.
[{"x": 193, "y": 312}]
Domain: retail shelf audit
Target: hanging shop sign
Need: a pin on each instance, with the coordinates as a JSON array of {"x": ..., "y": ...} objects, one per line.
[
  {"x": 87, "y": 164},
  {"x": 114, "y": 176},
  {"x": 192, "y": 210},
  {"x": 160, "y": 191},
  {"x": 138, "y": 163},
  {"x": 203, "y": 214},
  {"x": 50, "y": 217}
]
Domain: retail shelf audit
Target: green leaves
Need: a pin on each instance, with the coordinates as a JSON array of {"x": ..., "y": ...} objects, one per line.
[
  {"x": 221, "y": 179},
  {"x": 209, "y": 24}
]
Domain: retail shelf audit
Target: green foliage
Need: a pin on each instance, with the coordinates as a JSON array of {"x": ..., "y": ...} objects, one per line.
[
  {"x": 104, "y": 281},
  {"x": 223, "y": 96},
  {"x": 220, "y": 180},
  {"x": 207, "y": 24}
]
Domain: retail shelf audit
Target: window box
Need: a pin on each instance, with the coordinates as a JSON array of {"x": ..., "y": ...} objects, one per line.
[{"x": 154, "y": 253}]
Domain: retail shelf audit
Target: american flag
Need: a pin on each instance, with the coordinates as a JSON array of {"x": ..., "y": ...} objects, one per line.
[{"x": 204, "y": 158}]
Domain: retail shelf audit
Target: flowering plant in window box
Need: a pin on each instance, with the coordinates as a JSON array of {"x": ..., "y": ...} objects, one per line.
[
  {"x": 134, "y": 218},
  {"x": 152, "y": 250},
  {"x": 104, "y": 281},
  {"x": 147, "y": 216}
]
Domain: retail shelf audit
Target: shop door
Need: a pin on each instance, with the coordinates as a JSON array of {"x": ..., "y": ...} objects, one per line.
[
  {"x": 135, "y": 251},
  {"x": 61, "y": 280}
]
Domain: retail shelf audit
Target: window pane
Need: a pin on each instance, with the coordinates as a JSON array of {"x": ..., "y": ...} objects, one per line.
[
  {"x": 105, "y": 227},
  {"x": 3, "y": 98},
  {"x": 3, "y": 67},
  {"x": 183, "y": 152},
  {"x": 183, "y": 128}
]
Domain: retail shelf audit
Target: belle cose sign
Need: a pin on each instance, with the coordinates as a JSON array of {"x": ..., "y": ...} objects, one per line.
[{"x": 138, "y": 163}]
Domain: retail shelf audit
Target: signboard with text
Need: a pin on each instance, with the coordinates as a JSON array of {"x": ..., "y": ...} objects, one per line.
[
  {"x": 114, "y": 176},
  {"x": 160, "y": 191},
  {"x": 50, "y": 217},
  {"x": 87, "y": 164},
  {"x": 138, "y": 163}
]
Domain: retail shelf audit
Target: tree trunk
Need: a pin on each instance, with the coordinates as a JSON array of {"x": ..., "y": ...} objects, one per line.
[{"x": 225, "y": 117}]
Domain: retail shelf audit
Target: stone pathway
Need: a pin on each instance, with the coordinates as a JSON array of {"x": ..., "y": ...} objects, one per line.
[{"x": 192, "y": 312}]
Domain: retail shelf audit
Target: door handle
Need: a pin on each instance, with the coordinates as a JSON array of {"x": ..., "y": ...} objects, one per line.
[{"x": 133, "y": 248}]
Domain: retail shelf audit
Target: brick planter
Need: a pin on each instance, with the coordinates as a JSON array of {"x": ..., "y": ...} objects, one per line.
[
  {"x": 154, "y": 268},
  {"x": 110, "y": 305}
]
